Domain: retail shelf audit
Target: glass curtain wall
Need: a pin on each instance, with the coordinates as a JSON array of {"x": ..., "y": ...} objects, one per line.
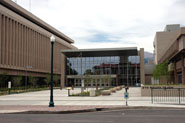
[{"x": 126, "y": 69}]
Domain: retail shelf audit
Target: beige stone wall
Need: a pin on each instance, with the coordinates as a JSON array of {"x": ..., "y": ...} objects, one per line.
[
  {"x": 148, "y": 79},
  {"x": 162, "y": 41}
]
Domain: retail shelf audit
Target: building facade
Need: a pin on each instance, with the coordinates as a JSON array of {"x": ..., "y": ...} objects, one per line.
[
  {"x": 173, "y": 51},
  {"x": 104, "y": 67},
  {"x": 25, "y": 43},
  {"x": 163, "y": 40}
]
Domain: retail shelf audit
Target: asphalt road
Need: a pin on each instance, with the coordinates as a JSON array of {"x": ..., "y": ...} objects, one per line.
[{"x": 123, "y": 116}]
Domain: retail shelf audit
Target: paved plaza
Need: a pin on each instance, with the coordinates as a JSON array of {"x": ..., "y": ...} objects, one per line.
[
  {"x": 40, "y": 100},
  {"x": 61, "y": 98}
]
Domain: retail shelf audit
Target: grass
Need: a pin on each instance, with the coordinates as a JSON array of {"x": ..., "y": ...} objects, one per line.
[{"x": 16, "y": 90}]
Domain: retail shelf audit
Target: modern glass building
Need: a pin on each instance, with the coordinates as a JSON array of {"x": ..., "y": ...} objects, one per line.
[{"x": 102, "y": 67}]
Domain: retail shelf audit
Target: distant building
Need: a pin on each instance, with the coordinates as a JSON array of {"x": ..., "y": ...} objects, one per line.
[
  {"x": 170, "y": 45},
  {"x": 163, "y": 40},
  {"x": 124, "y": 66}
]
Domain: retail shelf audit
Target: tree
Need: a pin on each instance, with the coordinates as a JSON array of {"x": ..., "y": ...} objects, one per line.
[
  {"x": 3, "y": 79},
  {"x": 87, "y": 80},
  {"x": 56, "y": 78},
  {"x": 88, "y": 72},
  {"x": 161, "y": 70},
  {"x": 17, "y": 80},
  {"x": 48, "y": 79},
  {"x": 32, "y": 80},
  {"x": 107, "y": 79}
]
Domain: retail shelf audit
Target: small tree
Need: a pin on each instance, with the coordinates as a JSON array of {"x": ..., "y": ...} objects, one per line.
[
  {"x": 17, "y": 80},
  {"x": 48, "y": 79},
  {"x": 87, "y": 80},
  {"x": 3, "y": 79},
  {"x": 56, "y": 78},
  {"x": 161, "y": 70},
  {"x": 33, "y": 80},
  {"x": 107, "y": 79}
]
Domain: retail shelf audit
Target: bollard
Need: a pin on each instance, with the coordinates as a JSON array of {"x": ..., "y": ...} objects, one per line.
[
  {"x": 68, "y": 88},
  {"x": 9, "y": 87}
]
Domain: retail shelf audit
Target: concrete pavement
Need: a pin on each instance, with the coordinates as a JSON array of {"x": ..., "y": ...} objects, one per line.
[{"x": 61, "y": 99}]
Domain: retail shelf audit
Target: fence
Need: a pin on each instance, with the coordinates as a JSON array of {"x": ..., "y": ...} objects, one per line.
[{"x": 168, "y": 95}]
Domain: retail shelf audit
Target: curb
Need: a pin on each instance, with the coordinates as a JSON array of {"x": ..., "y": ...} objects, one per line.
[{"x": 94, "y": 110}]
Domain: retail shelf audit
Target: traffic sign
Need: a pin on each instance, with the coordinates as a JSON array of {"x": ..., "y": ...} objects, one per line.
[{"x": 126, "y": 95}]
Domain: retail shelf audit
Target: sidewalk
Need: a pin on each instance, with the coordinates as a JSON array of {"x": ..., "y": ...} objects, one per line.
[
  {"x": 39, "y": 101},
  {"x": 56, "y": 109}
]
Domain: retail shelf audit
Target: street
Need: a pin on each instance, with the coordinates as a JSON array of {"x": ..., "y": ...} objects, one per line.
[{"x": 119, "y": 116}]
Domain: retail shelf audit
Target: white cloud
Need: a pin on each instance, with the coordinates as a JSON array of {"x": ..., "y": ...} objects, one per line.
[{"x": 123, "y": 20}]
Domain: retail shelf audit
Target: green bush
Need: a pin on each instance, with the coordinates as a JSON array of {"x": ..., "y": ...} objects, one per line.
[
  {"x": 17, "y": 80},
  {"x": 161, "y": 70}
]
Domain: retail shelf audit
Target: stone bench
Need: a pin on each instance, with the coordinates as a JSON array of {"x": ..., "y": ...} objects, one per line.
[
  {"x": 106, "y": 92},
  {"x": 113, "y": 90},
  {"x": 117, "y": 88}
]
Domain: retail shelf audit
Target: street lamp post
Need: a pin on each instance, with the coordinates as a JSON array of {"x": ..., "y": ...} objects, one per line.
[{"x": 51, "y": 103}]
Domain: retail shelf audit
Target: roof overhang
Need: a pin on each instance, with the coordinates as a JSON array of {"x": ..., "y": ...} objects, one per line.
[{"x": 124, "y": 51}]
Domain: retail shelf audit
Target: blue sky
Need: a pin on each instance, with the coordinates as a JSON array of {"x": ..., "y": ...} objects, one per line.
[{"x": 109, "y": 23}]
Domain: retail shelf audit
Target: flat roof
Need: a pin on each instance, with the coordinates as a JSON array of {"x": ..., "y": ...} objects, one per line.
[
  {"x": 123, "y": 51},
  {"x": 29, "y": 16}
]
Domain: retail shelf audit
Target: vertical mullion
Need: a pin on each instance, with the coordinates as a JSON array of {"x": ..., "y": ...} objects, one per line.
[
  {"x": 36, "y": 53},
  {"x": 42, "y": 53},
  {"x": 16, "y": 44},
  {"x": 24, "y": 45},
  {"x": 29, "y": 46},
  {"x": 3, "y": 40},
  {"x": 6, "y": 41},
  {"x": 32, "y": 55},
  {"x": 31, "y": 49},
  {"x": 27, "y": 42},
  {"x": 21, "y": 46},
  {"x": 35, "y": 57},
  {"x": 13, "y": 39},
  {"x": 0, "y": 39},
  {"x": 39, "y": 52},
  {"x": 10, "y": 41}
]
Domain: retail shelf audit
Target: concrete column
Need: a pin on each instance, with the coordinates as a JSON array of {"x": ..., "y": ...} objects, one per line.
[
  {"x": 63, "y": 70},
  {"x": 183, "y": 70},
  {"x": 142, "y": 72},
  {"x": 175, "y": 73}
]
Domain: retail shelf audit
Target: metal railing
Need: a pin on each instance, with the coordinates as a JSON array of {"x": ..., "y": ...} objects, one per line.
[{"x": 168, "y": 95}]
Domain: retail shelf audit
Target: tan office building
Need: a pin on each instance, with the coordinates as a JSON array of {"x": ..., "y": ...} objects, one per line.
[
  {"x": 170, "y": 45},
  {"x": 25, "y": 46}
]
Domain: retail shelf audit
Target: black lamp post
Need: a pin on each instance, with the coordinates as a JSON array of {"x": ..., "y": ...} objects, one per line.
[{"x": 51, "y": 103}]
